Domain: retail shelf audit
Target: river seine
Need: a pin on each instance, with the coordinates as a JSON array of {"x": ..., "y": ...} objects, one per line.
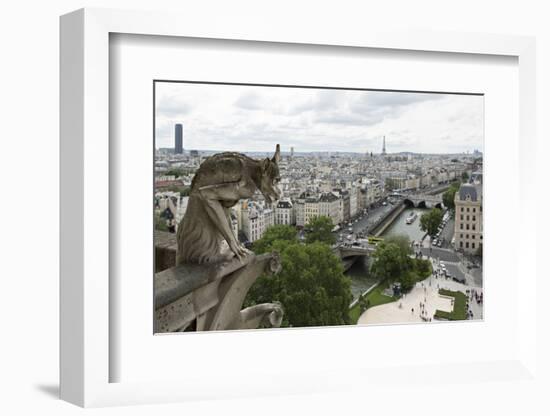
[{"x": 359, "y": 272}]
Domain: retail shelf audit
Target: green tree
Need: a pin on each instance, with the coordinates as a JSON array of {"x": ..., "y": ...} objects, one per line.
[
  {"x": 311, "y": 286},
  {"x": 177, "y": 172},
  {"x": 465, "y": 177},
  {"x": 389, "y": 261},
  {"x": 320, "y": 229},
  {"x": 423, "y": 268},
  {"x": 392, "y": 263},
  {"x": 402, "y": 241},
  {"x": 449, "y": 195},
  {"x": 182, "y": 189},
  {"x": 408, "y": 280},
  {"x": 363, "y": 303},
  {"x": 429, "y": 221},
  {"x": 272, "y": 234}
]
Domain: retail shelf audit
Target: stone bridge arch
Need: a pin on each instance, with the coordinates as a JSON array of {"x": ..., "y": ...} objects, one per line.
[
  {"x": 409, "y": 203},
  {"x": 424, "y": 201}
]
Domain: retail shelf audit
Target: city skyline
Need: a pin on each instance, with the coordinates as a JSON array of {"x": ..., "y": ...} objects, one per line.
[{"x": 252, "y": 118}]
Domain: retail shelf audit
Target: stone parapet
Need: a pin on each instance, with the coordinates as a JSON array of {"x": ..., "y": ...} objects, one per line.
[{"x": 210, "y": 296}]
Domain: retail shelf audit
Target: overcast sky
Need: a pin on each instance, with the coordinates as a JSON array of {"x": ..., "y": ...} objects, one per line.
[{"x": 251, "y": 118}]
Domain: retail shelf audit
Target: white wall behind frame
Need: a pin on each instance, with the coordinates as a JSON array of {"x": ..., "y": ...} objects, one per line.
[{"x": 29, "y": 358}]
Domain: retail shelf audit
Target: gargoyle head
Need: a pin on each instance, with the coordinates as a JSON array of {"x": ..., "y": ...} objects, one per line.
[{"x": 271, "y": 177}]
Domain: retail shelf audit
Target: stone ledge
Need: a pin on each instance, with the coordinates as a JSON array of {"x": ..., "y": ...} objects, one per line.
[
  {"x": 210, "y": 296},
  {"x": 179, "y": 281}
]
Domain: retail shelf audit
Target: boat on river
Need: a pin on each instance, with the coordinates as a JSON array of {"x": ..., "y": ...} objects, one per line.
[{"x": 411, "y": 218}]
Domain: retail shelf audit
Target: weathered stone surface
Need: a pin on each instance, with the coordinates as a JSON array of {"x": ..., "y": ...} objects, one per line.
[
  {"x": 178, "y": 281},
  {"x": 233, "y": 291},
  {"x": 219, "y": 183},
  {"x": 264, "y": 314},
  {"x": 212, "y": 295},
  {"x": 207, "y": 286},
  {"x": 165, "y": 250},
  {"x": 175, "y": 316}
]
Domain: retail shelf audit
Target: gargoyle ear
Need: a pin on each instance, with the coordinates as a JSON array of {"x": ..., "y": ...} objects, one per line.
[
  {"x": 277, "y": 155},
  {"x": 265, "y": 164}
]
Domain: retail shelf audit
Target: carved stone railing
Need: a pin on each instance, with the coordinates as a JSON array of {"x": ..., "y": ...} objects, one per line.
[{"x": 210, "y": 296}]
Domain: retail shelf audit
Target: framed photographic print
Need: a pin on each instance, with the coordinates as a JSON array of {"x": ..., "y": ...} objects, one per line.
[
  {"x": 239, "y": 210},
  {"x": 366, "y": 237}
]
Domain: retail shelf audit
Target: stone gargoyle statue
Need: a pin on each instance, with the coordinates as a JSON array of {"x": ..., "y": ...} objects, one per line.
[{"x": 219, "y": 183}]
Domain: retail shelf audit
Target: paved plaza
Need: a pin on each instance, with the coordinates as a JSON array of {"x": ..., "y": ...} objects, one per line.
[{"x": 407, "y": 309}]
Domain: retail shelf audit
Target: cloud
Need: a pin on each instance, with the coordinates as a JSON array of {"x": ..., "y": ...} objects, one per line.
[
  {"x": 251, "y": 118},
  {"x": 360, "y": 108},
  {"x": 378, "y": 105},
  {"x": 350, "y": 118},
  {"x": 251, "y": 101},
  {"x": 317, "y": 101},
  {"x": 173, "y": 106}
]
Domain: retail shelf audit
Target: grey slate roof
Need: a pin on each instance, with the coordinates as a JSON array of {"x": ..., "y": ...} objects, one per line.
[
  {"x": 284, "y": 204},
  {"x": 467, "y": 189},
  {"x": 328, "y": 197}
]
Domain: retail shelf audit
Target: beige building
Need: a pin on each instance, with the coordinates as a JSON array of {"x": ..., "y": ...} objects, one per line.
[
  {"x": 329, "y": 206},
  {"x": 311, "y": 209},
  {"x": 469, "y": 218}
]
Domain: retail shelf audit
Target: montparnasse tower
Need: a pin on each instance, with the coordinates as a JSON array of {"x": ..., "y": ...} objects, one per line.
[{"x": 384, "y": 146}]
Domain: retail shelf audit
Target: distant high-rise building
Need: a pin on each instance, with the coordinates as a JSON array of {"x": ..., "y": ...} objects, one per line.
[
  {"x": 291, "y": 152},
  {"x": 178, "y": 148},
  {"x": 384, "y": 145}
]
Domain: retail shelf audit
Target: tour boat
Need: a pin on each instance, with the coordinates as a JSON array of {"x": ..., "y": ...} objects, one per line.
[{"x": 410, "y": 219}]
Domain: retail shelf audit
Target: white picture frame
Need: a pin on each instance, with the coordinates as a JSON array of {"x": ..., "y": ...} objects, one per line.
[{"x": 86, "y": 355}]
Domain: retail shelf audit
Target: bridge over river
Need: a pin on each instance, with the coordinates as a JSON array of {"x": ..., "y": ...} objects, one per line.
[
  {"x": 349, "y": 254},
  {"x": 424, "y": 200}
]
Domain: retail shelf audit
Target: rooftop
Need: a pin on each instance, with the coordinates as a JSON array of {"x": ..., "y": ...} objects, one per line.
[{"x": 469, "y": 192}]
